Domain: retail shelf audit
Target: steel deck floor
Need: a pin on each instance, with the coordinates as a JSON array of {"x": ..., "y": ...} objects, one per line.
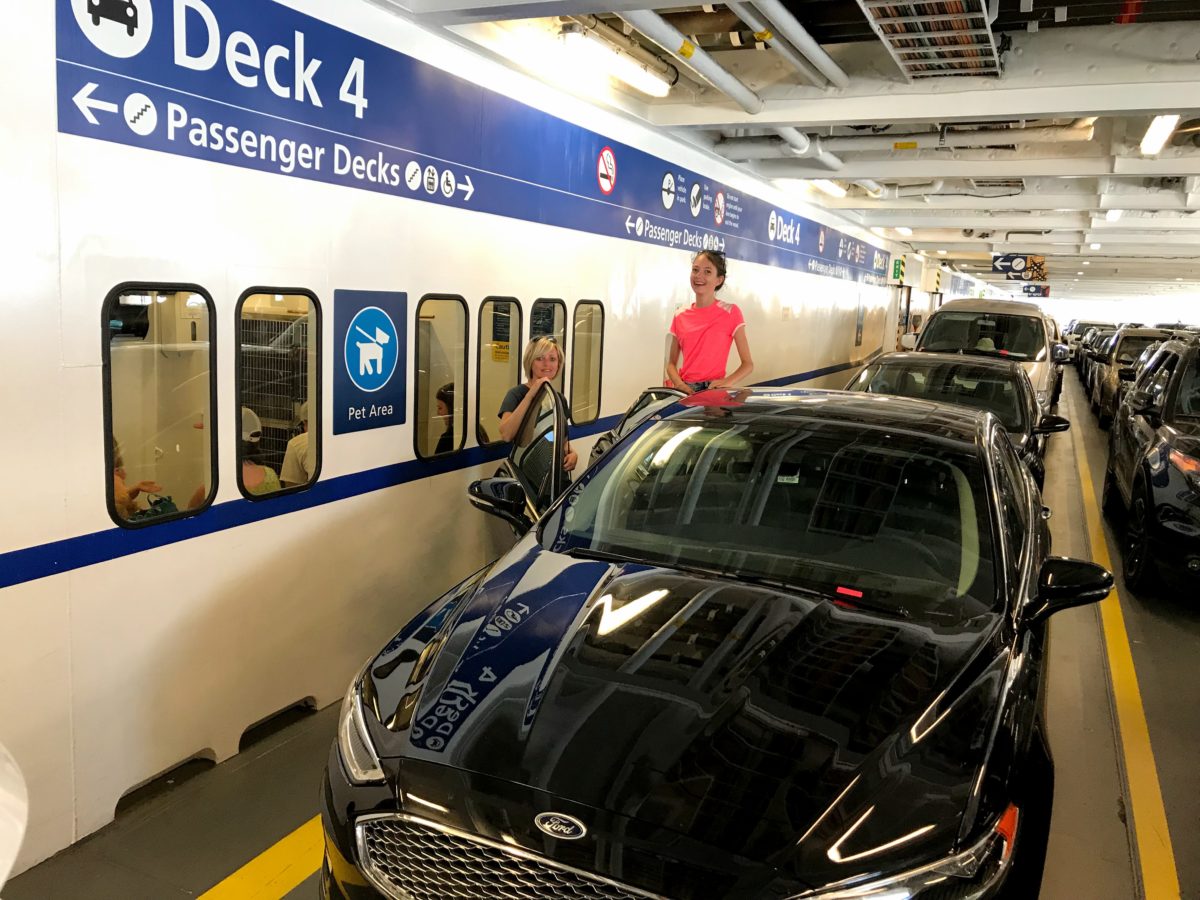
[{"x": 187, "y": 840}]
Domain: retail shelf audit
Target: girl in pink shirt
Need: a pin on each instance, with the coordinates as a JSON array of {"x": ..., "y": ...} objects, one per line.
[{"x": 705, "y": 330}]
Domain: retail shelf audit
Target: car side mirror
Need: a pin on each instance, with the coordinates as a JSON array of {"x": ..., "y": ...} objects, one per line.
[
  {"x": 908, "y": 341},
  {"x": 1141, "y": 402},
  {"x": 503, "y": 498},
  {"x": 1060, "y": 353},
  {"x": 1064, "y": 583},
  {"x": 1052, "y": 425},
  {"x": 1126, "y": 373}
]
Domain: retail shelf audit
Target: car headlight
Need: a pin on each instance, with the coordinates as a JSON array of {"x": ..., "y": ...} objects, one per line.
[
  {"x": 965, "y": 876},
  {"x": 1188, "y": 465},
  {"x": 354, "y": 742}
]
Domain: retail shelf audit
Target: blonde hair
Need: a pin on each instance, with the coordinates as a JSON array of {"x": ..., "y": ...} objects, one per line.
[{"x": 539, "y": 347}]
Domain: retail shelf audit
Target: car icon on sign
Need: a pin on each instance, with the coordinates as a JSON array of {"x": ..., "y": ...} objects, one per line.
[{"x": 123, "y": 12}]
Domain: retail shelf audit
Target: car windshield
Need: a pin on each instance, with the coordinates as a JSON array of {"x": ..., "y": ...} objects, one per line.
[
  {"x": 964, "y": 384},
  {"x": 890, "y": 520},
  {"x": 990, "y": 334},
  {"x": 1131, "y": 347},
  {"x": 1187, "y": 402}
]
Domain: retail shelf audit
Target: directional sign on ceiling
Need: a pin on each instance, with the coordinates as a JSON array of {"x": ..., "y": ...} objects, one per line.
[
  {"x": 1020, "y": 266},
  {"x": 1035, "y": 290}
]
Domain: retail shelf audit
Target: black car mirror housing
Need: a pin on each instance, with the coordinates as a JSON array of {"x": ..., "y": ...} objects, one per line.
[
  {"x": 1141, "y": 403},
  {"x": 1052, "y": 425},
  {"x": 1064, "y": 583},
  {"x": 502, "y": 497}
]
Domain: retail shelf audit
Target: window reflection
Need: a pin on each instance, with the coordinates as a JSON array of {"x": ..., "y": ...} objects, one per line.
[{"x": 441, "y": 375}]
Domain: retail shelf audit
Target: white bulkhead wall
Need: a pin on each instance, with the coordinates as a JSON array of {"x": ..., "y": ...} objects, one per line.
[{"x": 115, "y": 672}]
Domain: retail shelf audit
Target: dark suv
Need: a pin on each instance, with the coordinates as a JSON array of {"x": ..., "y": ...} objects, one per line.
[{"x": 1154, "y": 468}]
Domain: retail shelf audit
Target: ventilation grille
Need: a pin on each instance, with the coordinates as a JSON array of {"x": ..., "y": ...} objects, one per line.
[{"x": 935, "y": 38}]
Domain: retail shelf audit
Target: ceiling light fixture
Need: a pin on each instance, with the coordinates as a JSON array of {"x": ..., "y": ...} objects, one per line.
[
  {"x": 1158, "y": 132},
  {"x": 878, "y": 232},
  {"x": 1094, "y": 246},
  {"x": 1087, "y": 262},
  {"x": 941, "y": 253},
  {"x": 832, "y": 188},
  {"x": 1113, "y": 214},
  {"x": 903, "y": 230},
  {"x": 584, "y": 49}
]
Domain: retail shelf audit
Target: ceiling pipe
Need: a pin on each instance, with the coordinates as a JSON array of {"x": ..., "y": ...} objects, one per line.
[
  {"x": 670, "y": 39},
  {"x": 752, "y": 20},
  {"x": 872, "y": 187},
  {"x": 703, "y": 22},
  {"x": 896, "y": 191},
  {"x": 791, "y": 143},
  {"x": 786, "y": 25},
  {"x": 1055, "y": 134}
]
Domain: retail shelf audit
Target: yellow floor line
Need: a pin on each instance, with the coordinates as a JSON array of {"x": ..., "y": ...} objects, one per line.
[
  {"x": 1159, "y": 878},
  {"x": 277, "y": 870}
]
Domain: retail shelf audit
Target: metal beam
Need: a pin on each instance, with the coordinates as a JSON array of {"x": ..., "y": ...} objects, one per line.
[
  {"x": 947, "y": 166},
  {"x": 460, "y": 12}
]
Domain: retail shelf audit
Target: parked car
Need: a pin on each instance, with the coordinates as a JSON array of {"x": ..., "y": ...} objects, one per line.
[
  {"x": 998, "y": 386},
  {"x": 1153, "y": 470},
  {"x": 1007, "y": 329},
  {"x": 1075, "y": 333},
  {"x": 1116, "y": 365},
  {"x": 1093, "y": 348},
  {"x": 770, "y": 644}
]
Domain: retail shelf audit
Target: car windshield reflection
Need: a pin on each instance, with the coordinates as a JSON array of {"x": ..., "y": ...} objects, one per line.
[{"x": 894, "y": 521}]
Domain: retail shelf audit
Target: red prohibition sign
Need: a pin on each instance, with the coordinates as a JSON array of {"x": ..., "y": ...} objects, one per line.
[
  {"x": 719, "y": 207},
  {"x": 606, "y": 171}
]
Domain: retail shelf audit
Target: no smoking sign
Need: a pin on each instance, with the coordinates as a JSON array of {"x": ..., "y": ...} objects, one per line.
[{"x": 606, "y": 171}]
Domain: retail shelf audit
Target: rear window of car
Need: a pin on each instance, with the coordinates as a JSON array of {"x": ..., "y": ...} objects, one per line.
[
  {"x": 989, "y": 334},
  {"x": 889, "y": 520},
  {"x": 1187, "y": 400},
  {"x": 962, "y": 384},
  {"x": 1131, "y": 347}
]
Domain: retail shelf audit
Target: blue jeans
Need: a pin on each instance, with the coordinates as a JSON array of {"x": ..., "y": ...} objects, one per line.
[{"x": 698, "y": 385}]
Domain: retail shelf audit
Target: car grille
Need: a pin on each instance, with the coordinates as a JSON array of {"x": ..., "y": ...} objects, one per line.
[{"x": 410, "y": 859}]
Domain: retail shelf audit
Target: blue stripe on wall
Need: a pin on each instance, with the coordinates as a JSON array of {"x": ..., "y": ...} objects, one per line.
[{"x": 31, "y": 563}]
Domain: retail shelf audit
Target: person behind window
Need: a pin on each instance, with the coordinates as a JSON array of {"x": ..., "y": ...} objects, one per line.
[
  {"x": 125, "y": 495},
  {"x": 542, "y": 361},
  {"x": 445, "y": 413},
  {"x": 705, "y": 330},
  {"x": 298, "y": 463},
  {"x": 256, "y": 478}
]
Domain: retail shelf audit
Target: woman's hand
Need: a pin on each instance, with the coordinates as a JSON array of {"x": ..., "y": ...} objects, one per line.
[
  {"x": 147, "y": 487},
  {"x": 720, "y": 383},
  {"x": 569, "y": 460}
]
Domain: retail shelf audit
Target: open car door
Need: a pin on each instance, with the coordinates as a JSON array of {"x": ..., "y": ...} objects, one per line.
[
  {"x": 647, "y": 404},
  {"x": 533, "y": 476}
]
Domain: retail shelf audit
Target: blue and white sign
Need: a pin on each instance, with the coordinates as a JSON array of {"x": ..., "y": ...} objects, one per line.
[
  {"x": 255, "y": 84},
  {"x": 370, "y": 329}
]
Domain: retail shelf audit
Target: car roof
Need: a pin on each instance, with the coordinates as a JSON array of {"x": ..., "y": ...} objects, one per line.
[
  {"x": 1163, "y": 333},
  {"x": 921, "y": 418},
  {"x": 927, "y": 360},
  {"x": 1007, "y": 307}
]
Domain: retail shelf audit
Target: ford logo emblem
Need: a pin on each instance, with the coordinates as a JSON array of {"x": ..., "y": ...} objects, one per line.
[{"x": 558, "y": 825}]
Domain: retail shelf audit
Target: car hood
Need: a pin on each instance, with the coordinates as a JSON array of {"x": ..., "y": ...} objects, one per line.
[{"x": 732, "y": 715}]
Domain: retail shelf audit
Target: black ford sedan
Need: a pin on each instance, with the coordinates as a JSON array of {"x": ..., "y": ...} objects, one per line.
[{"x": 772, "y": 645}]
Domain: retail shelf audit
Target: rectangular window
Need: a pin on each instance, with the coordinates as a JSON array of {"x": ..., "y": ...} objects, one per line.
[
  {"x": 499, "y": 368},
  {"x": 548, "y": 318},
  {"x": 159, "y": 362},
  {"x": 278, "y": 366},
  {"x": 586, "y": 369},
  {"x": 441, "y": 375}
]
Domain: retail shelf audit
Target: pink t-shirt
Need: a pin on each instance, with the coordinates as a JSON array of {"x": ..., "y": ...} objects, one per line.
[{"x": 704, "y": 336}]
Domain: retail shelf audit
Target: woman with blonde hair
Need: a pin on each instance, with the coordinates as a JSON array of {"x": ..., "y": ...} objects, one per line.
[{"x": 542, "y": 361}]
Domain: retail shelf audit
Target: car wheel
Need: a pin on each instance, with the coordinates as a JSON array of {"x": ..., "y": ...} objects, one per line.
[{"x": 1137, "y": 563}]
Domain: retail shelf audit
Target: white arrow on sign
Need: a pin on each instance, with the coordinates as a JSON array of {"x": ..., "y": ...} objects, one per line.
[
  {"x": 628, "y": 224},
  {"x": 467, "y": 187},
  {"x": 86, "y": 104}
]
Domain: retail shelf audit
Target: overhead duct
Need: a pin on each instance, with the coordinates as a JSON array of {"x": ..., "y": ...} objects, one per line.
[
  {"x": 673, "y": 41},
  {"x": 785, "y": 24},
  {"x": 620, "y": 41},
  {"x": 781, "y": 47}
]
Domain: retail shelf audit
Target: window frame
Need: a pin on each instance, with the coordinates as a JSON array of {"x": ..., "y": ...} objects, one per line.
[
  {"x": 599, "y": 368},
  {"x": 314, "y": 403},
  {"x": 173, "y": 287},
  {"x": 518, "y": 351},
  {"x": 416, "y": 370},
  {"x": 566, "y": 331}
]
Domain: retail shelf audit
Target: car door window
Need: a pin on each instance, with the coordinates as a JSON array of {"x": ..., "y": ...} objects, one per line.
[
  {"x": 537, "y": 457},
  {"x": 1161, "y": 380}
]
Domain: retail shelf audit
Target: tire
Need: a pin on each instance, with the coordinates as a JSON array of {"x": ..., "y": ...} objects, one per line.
[
  {"x": 1105, "y": 416},
  {"x": 1057, "y": 391},
  {"x": 1137, "y": 563}
]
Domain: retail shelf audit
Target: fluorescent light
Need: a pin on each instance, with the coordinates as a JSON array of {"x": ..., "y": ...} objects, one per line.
[
  {"x": 1078, "y": 273},
  {"x": 1158, "y": 132},
  {"x": 592, "y": 51},
  {"x": 1094, "y": 246},
  {"x": 903, "y": 230},
  {"x": 1113, "y": 214},
  {"x": 878, "y": 232},
  {"x": 832, "y": 188},
  {"x": 1087, "y": 262},
  {"x": 941, "y": 253}
]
